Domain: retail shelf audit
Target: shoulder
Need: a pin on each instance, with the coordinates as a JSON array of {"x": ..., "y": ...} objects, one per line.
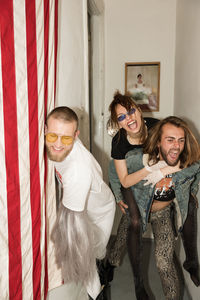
[
  {"x": 76, "y": 165},
  {"x": 135, "y": 160},
  {"x": 80, "y": 153},
  {"x": 136, "y": 153},
  {"x": 119, "y": 145},
  {"x": 118, "y": 137},
  {"x": 192, "y": 170},
  {"x": 86, "y": 162}
]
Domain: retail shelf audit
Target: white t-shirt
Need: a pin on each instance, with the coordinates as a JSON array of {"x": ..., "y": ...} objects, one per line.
[{"x": 83, "y": 186}]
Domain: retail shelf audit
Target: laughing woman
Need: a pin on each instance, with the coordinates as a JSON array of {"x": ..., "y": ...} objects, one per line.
[{"x": 133, "y": 129}]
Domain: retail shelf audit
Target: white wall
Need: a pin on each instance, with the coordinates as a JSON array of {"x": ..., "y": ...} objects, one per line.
[
  {"x": 187, "y": 82},
  {"x": 187, "y": 73},
  {"x": 70, "y": 72},
  {"x": 72, "y": 64},
  {"x": 139, "y": 31}
]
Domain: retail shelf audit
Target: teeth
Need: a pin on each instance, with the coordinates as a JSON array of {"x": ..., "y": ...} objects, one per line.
[
  {"x": 174, "y": 155},
  {"x": 57, "y": 149},
  {"x": 132, "y": 122},
  {"x": 174, "y": 152}
]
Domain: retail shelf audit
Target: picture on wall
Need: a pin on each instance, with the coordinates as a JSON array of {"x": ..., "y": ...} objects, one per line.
[{"x": 142, "y": 81}]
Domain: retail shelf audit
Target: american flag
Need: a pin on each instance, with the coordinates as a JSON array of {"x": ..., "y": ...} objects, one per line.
[{"x": 28, "y": 50}]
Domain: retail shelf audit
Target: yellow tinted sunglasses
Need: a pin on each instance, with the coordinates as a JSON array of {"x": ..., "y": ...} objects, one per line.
[{"x": 52, "y": 138}]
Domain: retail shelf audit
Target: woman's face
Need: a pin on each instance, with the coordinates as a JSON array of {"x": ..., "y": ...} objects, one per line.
[{"x": 131, "y": 120}]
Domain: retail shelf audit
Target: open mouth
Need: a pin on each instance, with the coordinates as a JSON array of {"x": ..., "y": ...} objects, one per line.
[
  {"x": 174, "y": 155},
  {"x": 132, "y": 124},
  {"x": 58, "y": 150}
]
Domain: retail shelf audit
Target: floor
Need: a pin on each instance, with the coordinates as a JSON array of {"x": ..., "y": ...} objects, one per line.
[{"x": 122, "y": 286}]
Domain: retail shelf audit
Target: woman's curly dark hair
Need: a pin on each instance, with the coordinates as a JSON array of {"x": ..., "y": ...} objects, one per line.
[{"x": 126, "y": 101}]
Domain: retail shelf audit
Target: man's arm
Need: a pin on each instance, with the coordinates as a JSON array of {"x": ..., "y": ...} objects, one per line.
[
  {"x": 114, "y": 182},
  {"x": 134, "y": 163},
  {"x": 195, "y": 184},
  {"x": 190, "y": 171}
]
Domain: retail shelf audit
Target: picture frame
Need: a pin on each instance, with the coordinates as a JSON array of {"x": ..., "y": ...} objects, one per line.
[{"x": 142, "y": 81}]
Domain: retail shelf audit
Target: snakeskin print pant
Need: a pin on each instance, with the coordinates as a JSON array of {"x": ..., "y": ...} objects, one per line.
[{"x": 164, "y": 241}]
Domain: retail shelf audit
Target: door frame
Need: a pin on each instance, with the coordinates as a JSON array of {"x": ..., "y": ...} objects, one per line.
[{"x": 96, "y": 11}]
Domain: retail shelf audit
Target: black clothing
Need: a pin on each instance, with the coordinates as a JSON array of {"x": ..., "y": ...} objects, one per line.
[
  {"x": 120, "y": 144},
  {"x": 164, "y": 189}
]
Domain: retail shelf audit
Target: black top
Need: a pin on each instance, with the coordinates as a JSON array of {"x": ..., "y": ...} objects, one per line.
[
  {"x": 120, "y": 144},
  {"x": 164, "y": 189}
]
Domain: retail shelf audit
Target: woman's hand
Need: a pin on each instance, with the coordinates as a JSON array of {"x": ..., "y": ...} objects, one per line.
[
  {"x": 159, "y": 171},
  {"x": 153, "y": 177},
  {"x": 122, "y": 206},
  {"x": 169, "y": 169},
  {"x": 159, "y": 165}
]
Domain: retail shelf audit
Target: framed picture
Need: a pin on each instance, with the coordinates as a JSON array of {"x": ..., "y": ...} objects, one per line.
[{"x": 142, "y": 81}]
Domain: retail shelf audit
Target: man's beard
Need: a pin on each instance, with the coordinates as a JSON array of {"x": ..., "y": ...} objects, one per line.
[
  {"x": 164, "y": 156},
  {"x": 56, "y": 157}
]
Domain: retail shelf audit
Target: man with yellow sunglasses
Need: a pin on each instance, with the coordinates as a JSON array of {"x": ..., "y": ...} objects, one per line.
[{"x": 86, "y": 212}]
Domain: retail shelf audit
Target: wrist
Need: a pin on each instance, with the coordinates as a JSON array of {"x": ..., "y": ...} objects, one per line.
[
  {"x": 165, "y": 171},
  {"x": 148, "y": 169}
]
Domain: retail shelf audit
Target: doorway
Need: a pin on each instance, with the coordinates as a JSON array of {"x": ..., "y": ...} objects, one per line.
[{"x": 96, "y": 78}]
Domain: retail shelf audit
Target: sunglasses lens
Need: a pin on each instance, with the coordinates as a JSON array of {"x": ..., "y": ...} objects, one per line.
[
  {"x": 121, "y": 118},
  {"x": 131, "y": 111},
  {"x": 66, "y": 140},
  {"x": 51, "y": 137}
]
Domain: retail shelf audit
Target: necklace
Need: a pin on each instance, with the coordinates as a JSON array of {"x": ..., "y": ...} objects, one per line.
[
  {"x": 135, "y": 140},
  {"x": 132, "y": 140}
]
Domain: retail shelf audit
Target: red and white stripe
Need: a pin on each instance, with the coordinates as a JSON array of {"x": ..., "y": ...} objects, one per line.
[{"x": 28, "y": 49}]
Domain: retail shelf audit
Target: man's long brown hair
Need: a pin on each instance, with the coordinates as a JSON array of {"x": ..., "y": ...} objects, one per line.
[{"x": 191, "y": 151}]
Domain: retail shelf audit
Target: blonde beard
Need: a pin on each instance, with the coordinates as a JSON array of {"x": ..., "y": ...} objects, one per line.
[{"x": 55, "y": 157}]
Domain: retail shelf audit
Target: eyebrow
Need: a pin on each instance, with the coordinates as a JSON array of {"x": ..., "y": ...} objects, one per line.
[
  {"x": 127, "y": 111},
  {"x": 120, "y": 114},
  {"x": 172, "y": 137}
]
